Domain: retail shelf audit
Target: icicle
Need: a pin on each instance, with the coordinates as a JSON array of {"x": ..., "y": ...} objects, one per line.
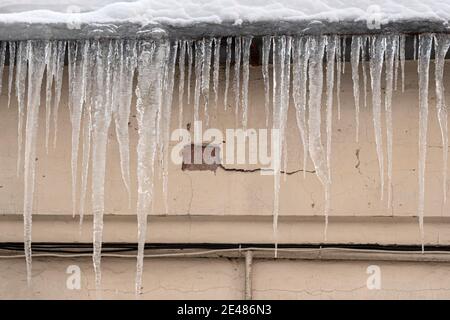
[
  {"x": 391, "y": 52},
  {"x": 206, "y": 76},
  {"x": 377, "y": 50},
  {"x": 36, "y": 66},
  {"x": 58, "y": 86},
  {"x": 344, "y": 53},
  {"x": 227, "y": 72},
  {"x": 338, "y": 77},
  {"x": 49, "y": 58},
  {"x": 425, "y": 42},
  {"x": 442, "y": 44},
  {"x": 237, "y": 74},
  {"x": 300, "y": 76},
  {"x": 396, "y": 61},
  {"x": 199, "y": 56},
  {"x": 181, "y": 67},
  {"x": 101, "y": 121},
  {"x": 354, "y": 57},
  {"x": 190, "y": 55},
  {"x": 402, "y": 59},
  {"x": 285, "y": 99},
  {"x": 364, "y": 63},
  {"x": 128, "y": 63},
  {"x": 2, "y": 62},
  {"x": 12, "y": 58},
  {"x": 332, "y": 42},
  {"x": 265, "y": 72},
  {"x": 151, "y": 64},
  {"x": 246, "y": 43},
  {"x": 165, "y": 121},
  {"x": 21, "y": 75},
  {"x": 217, "y": 42},
  {"x": 315, "y": 74},
  {"x": 281, "y": 52},
  {"x": 415, "y": 48},
  {"x": 90, "y": 97},
  {"x": 78, "y": 58}
]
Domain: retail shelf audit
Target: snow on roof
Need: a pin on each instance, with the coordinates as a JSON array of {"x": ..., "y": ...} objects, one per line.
[{"x": 188, "y": 12}]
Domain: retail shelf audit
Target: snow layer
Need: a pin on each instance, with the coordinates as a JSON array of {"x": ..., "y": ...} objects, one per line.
[{"x": 188, "y": 12}]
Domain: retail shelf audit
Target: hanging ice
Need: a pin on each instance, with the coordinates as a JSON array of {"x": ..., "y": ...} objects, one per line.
[
  {"x": 21, "y": 71},
  {"x": 425, "y": 43},
  {"x": 165, "y": 120},
  {"x": 318, "y": 157},
  {"x": 78, "y": 58},
  {"x": 354, "y": 57},
  {"x": 237, "y": 74},
  {"x": 300, "y": 55},
  {"x": 227, "y": 72},
  {"x": 442, "y": 44},
  {"x": 217, "y": 42},
  {"x": 391, "y": 52},
  {"x": 190, "y": 55},
  {"x": 152, "y": 61},
  {"x": 377, "y": 50},
  {"x": 181, "y": 67},
  {"x": 332, "y": 42},
  {"x": 58, "y": 86},
  {"x": 100, "y": 126},
  {"x": 121, "y": 111},
  {"x": 281, "y": 61},
  {"x": 246, "y": 43},
  {"x": 266, "y": 43},
  {"x": 12, "y": 59},
  {"x": 36, "y": 66},
  {"x": 338, "y": 76}
]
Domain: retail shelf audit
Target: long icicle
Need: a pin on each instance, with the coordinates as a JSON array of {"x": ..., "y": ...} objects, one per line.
[
  {"x": 237, "y": 75},
  {"x": 332, "y": 42},
  {"x": 299, "y": 91},
  {"x": 377, "y": 50},
  {"x": 101, "y": 121},
  {"x": 227, "y": 72},
  {"x": 165, "y": 121},
  {"x": 21, "y": 75},
  {"x": 425, "y": 43},
  {"x": 355, "y": 57},
  {"x": 181, "y": 68},
  {"x": 316, "y": 150},
  {"x": 12, "y": 58},
  {"x": 391, "y": 52},
  {"x": 128, "y": 63},
  {"x": 442, "y": 44},
  {"x": 36, "y": 66},
  {"x": 266, "y": 44},
  {"x": 58, "y": 86},
  {"x": 152, "y": 59},
  {"x": 246, "y": 43},
  {"x": 217, "y": 43}
]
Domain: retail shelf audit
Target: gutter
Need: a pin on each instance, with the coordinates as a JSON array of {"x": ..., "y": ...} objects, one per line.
[{"x": 128, "y": 30}]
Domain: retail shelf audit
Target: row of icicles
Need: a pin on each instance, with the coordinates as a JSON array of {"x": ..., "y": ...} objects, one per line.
[{"x": 101, "y": 84}]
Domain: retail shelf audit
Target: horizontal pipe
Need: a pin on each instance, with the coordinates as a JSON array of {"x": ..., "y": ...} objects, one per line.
[{"x": 316, "y": 254}]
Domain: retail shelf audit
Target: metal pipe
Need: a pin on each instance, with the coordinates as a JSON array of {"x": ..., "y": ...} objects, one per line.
[{"x": 248, "y": 274}]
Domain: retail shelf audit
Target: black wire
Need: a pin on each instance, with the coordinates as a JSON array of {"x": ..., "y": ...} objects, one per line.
[{"x": 86, "y": 248}]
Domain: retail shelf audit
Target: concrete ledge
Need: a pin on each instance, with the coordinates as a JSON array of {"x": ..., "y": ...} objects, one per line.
[{"x": 234, "y": 229}]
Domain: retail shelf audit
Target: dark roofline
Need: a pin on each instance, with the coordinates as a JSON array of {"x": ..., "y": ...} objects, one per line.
[{"x": 61, "y": 31}]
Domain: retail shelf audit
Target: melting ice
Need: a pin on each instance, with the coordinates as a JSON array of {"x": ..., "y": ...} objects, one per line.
[{"x": 105, "y": 74}]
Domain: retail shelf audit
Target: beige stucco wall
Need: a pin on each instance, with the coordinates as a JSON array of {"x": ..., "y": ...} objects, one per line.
[{"x": 236, "y": 207}]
